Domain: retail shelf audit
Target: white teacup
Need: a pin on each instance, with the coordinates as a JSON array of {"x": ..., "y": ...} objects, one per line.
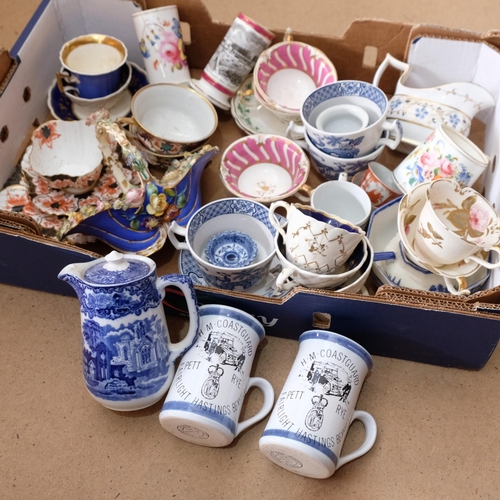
[
  {"x": 292, "y": 276},
  {"x": 315, "y": 241},
  {"x": 308, "y": 426},
  {"x": 344, "y": 118},
  {"x": 340, "y": 198},
  {"x": 455, "y": 224}
]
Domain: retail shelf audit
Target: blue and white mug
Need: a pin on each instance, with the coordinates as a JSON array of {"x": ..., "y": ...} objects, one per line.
[
  {"x": 91, "y": 65},
  {"x": 353, "y": 144},
  {"x": 205, "y": 400},
  {"x": 308, "y": 426}
]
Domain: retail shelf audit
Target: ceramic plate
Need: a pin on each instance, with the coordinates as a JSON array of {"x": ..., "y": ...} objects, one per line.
[
  {"x": 400, "y": 271},
  {"x": 62, "y": 108},
  {"x": 265, "y": 288},
  {"x": 252, "y": 117}
]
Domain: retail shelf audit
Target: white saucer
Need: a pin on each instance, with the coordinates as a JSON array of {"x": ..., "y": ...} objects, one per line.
[
  {"x": 265, "y": 288},
  {"x": 384, "y": 236},
  {"x": 409, "y": 208},
  {"x": 251, "y": 116}
]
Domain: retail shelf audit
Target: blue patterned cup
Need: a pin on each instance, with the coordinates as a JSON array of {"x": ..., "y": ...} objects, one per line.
[
  {"x": 353, "y": 144},
  {"x": 91, "y": 65},
  {"x": 229, "y": 214}
]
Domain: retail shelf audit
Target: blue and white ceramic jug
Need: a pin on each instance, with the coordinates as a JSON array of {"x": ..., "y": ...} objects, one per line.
[{"x": 128, "y": 359}]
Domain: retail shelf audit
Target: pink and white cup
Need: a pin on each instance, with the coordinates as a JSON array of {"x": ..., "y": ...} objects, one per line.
[
  {"x": 378, "y": 183},
  {"x": 160, "y": 39},
  {"x": 233, "y": 61},
  {"x": 456, "y": 224}
]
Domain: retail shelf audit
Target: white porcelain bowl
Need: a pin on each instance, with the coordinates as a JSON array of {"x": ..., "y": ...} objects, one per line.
[{"x": 66, "y": 154}]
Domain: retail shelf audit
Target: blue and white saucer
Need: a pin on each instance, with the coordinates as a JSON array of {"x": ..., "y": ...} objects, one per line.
[
  {"x": 62, "y": 108},
  {"x": 265, "y": 288},
  {"x": 392, "y": 267}
]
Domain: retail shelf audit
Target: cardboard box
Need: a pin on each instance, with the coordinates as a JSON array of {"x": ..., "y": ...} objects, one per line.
[{"x": 406, "y": 324}]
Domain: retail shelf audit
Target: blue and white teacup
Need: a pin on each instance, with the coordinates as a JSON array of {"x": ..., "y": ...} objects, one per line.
[
  {"x": 226, "y": 215},
  {"x": 91, "y": 64},
  {"x": 358, "y": 143}
]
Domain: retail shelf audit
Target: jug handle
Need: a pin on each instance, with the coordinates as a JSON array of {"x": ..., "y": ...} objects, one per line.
[
  {"x": 388, "y": 61},
  {"x": 185, "y": 284}
]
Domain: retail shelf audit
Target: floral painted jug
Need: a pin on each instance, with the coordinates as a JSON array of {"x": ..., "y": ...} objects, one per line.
[
  {"x": 422, "y": 109},
  {"x": 128, "y": 358},
  {"x": 136, "y": 219}
]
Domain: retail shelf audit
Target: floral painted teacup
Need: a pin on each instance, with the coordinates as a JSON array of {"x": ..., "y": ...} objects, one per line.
[
  {"x": 160, "y": 39},
  {"x": 455, "y": 224},
  {"x": 170, "y": 119},
  {"x": 447, "y": 154}
]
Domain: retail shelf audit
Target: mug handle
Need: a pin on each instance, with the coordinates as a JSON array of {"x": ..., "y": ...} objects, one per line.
[
  {"x": 173, "y": 230},
  {"x": 370, "y": 436},
  {"x": 294, "y": 132},
  {"x": 268, "y": 391},
  {"x": 485, "y": 263},
  {"x": 273, "y": 219},
  {"x": 62, "y": 78},
  {"x": 185, "y": 284},
  {"x": 388, "y": 61},
  {"x": 396, "y": 127},
  {"x": 358, "y": 177},
  {"x": 284, "y": 282}
]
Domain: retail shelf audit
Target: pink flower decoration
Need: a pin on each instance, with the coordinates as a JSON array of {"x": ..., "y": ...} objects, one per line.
[
  {"x": 478, "y": 217},
  {"x": 170, "y": 50},
  {"x": 135, "y": 197},
  {"x": 429, "y": 159},
  {"x": 447, "y": 168}
]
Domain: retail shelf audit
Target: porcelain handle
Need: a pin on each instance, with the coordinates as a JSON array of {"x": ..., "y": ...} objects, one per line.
[
  {"x": 462, "y": 286},
  {"x": 268, "y": 392},
  {"x": 272, "y": 218},
  {"x": 123, "y": 120},
  {"x": 485, "y": 263},
  {"x": 63, "y": 77},
  {"x": 308, "y": 190},
  {"x": 388, "y": 61},
  {"x": 185, "y": 284},
  {"x": 370, "y": 436},
  {"x": 294, "y": 132},
  {"x": 284, "y": 281},
  {"x": 175, "y": 230},
  {"x": 396, "y": 127}
]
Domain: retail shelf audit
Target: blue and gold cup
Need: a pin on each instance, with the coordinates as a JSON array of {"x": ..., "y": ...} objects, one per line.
[{"x": 91, "y": 65}]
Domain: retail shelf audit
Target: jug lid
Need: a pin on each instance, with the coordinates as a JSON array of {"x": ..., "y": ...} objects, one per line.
[{"x": 117, "y": 269}]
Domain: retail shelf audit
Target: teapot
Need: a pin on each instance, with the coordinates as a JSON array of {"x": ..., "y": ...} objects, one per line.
[
  {"x": 422, "y": 109},
  {"x": 128, "y": 358}
]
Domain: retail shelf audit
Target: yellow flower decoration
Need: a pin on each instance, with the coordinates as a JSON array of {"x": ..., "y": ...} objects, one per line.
[{"x": 157, "y": 204}]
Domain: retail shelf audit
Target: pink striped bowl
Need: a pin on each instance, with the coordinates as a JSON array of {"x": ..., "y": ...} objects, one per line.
[
  {"x": 286, "y": 73},
  {"x": 264, "y": 168}
]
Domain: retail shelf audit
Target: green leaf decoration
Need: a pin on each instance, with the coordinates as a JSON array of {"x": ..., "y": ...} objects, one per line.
[
  {"x": 170, "y": 192},
  {"x": 459, "y": 218},
  {"x": 151, "y": 188},
  {"x": 436, "y": 235},
  {"x": 468, "y": 202},
  {"x": 135, "y": 224},
  {"x": 181, "y": 201},
  {"x": 409, "y": 219}
]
